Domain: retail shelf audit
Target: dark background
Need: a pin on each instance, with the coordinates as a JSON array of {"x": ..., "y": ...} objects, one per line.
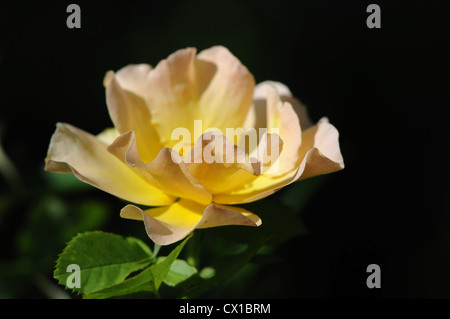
[{"x": 386, "y": 90}]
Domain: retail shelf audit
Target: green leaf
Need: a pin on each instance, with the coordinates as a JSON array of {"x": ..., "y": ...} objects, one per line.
[
  {"x": 104, "y": 259},
  {"x": 178, "y": 272},
  {"x": 160, "y": 270},
  {"x": 142, "y": 282},
  {"x": 149, "y": 280}
]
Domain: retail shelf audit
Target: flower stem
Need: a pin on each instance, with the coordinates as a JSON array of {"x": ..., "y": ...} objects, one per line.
[{"x": 156, "y": 250}]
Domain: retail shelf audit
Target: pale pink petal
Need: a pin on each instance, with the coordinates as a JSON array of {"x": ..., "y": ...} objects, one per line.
[
  {"x": 129, "y": 111},
  {"x": 133, "y": 78},
  {"x": 281, "y": 115},
  {"x": 222, "y": 215},
  {"x": 227, "y": 100},
  {"x": 322, "y": 143},
  {"x": 174, "y": 89}
]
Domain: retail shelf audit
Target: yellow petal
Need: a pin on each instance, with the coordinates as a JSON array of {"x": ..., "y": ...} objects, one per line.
[
  {"x": 259, "y": 188},
  {"x": 129, "y": 111},
  {"x": 166, "y": 172},
  {"x": 168, "y": 224},
  {"x": 108, "y": 135},
  {"x": 75, "y": 151},
  {"x": 219, "y": 165}
]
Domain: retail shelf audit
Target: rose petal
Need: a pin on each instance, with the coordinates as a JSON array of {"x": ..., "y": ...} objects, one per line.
[
  {"x": 174, "y": 89},
  {"x": 167, "y": 171},
  {"x": 133, "y": 78},
  {"x": 227, "y": 100},
  {"x": 259, "y": 188},
  {"x": 129, "y": 111},
  {"x": 281, "y": 117},
  {"x": 75, "y": 151},
  {"x": 322, "y": 141},
  {"x": 268, "y": 153},
  {"x": 168, "y": 224},
  {"x": 260, "y": 95},
  {"x": 108, "y": 135},
  {"x": 222, "y": 215}
]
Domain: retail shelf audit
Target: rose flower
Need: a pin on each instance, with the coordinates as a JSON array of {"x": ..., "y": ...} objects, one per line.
[{"x": 211, "y": 101}]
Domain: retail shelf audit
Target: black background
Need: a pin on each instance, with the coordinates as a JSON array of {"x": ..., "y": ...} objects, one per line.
[{"x": 386, "y": 90}]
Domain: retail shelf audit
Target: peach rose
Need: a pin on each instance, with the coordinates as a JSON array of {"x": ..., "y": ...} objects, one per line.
[{"x": 140, "y": 161}]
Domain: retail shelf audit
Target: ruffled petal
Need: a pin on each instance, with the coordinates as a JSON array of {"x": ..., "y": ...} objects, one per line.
[
  {"x": 320, "y": 154},
  {"x": 282, "y": 119},
  {"x": 222, "y": 215},
  {"x": 75, "y": 151},
  {"x": 259, "y": 98},
  {"x": 133, "y": 78},
  {"x": 321, "y": 143},
  {"x": 168, "y": 224},
  {"x": 174, "y": 89},
  {"x": 227, "y": 100},
  {"x": 129, "y": 111}
]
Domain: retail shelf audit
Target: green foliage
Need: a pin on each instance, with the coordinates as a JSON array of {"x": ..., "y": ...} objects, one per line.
[
  {"x": 149, "y": 280},
  {"x": 104, "y": 260},
  {"x": 178, "y": 272}
]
